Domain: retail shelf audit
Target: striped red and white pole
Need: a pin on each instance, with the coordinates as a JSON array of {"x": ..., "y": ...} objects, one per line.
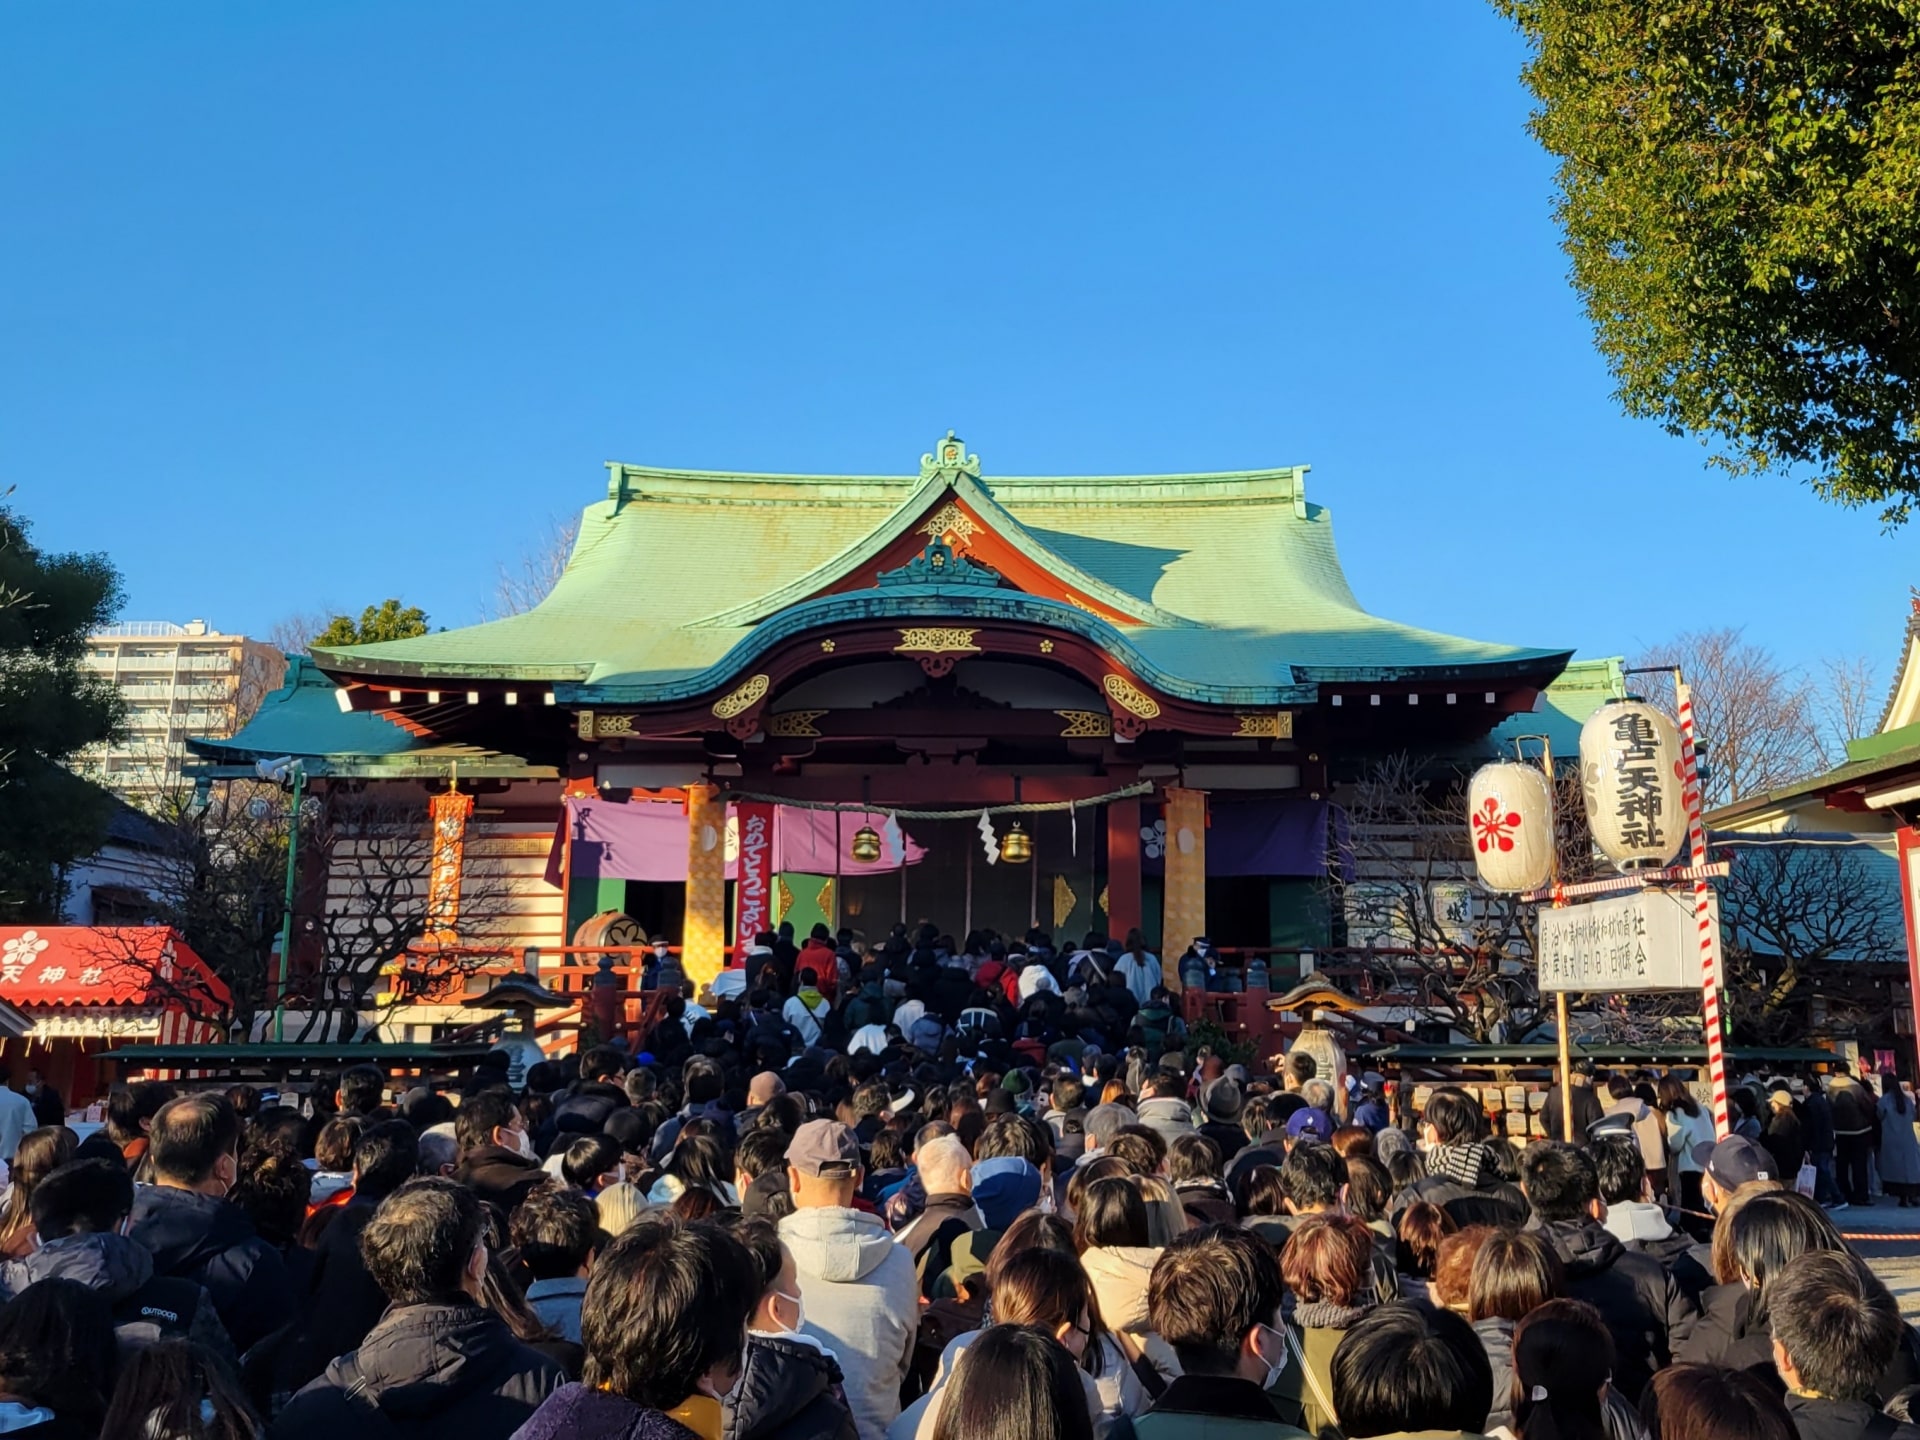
[{"x": 1703, "y": 919}]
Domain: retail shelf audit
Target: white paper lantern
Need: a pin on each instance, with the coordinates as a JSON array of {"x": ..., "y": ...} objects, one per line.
[
  {"x": 1510, "y": 826},
  {"x": 1630, "y": 773}
]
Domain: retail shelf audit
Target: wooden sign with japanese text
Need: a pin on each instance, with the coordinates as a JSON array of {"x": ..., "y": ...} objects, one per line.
[{"x": 1643, "y": 941}]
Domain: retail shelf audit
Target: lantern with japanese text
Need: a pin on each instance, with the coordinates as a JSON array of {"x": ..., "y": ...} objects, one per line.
[
  {"x": 1510, "y": 826},
  {"x": 1630, "y": 772}
]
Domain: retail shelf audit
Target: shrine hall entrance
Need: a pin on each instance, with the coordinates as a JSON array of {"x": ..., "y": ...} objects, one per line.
[{"x": 1062, "y": 888}]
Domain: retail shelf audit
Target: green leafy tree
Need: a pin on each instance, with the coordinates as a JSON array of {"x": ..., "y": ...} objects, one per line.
[
  {"x": 50, "y": 709},
  {"x": 388, "y": 620},
  {"x": 1739, "y": 188}
]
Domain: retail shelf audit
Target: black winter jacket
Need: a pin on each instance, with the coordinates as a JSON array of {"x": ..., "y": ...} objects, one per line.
[
  {"x": 1644, "y": 1307},
  {"x": 1497, "y": 1204},
  {"x": 1728, "y": 1334},
  {"x": 197, "y": 1237},
  {"x": 586, "y": 1106},
  {"x": 146, "y": 1307},
  {"x": 789, "y": 1390},
  {"x": 1819, "y": 1419},
  {"x": 499, "y": 1176},
  {"x": 342, "y": 1301},
  {"x": 449, "y": 1371}
]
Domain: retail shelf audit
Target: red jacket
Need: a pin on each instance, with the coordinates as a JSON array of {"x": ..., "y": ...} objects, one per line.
[{"x": 823, "y": 960}]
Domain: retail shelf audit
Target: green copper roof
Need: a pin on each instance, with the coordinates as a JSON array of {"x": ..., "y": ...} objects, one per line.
[
  {"x": 1229, "y": 583},
  {"x": 303, "y": 717}
]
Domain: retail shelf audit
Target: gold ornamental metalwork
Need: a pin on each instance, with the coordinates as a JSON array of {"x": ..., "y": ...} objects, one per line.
[
  {"x": 866, "y": 845},
  {"x": 1085, "y": 724},
  {"x": 949, "y": 519},
  {"x": 936, "y": 640},
  {"x": 742, "y": 699},
  {"x": 595, "y": 725},
  {"x": 1277, "y": 725},
  {"x": 1130, "y": 697},
  {"x": 794, "y": 725}
]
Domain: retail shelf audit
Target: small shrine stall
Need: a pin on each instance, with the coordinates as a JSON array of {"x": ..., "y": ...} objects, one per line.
[
  {"x": 83, "y": 989},
  {"x": 1511, "y": 1081}
]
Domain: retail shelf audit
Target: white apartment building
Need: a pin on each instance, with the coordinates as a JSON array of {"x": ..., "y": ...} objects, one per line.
[{"x": 177, "y": 681}]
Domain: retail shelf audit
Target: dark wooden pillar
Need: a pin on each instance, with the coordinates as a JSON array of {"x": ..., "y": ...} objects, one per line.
[{"x": 1123, "y": 867}]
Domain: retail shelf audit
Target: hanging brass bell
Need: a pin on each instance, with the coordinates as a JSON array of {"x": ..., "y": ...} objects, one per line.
[
  {"x": 1016, "y": 846},
  {"x": 866, "y": 845}
]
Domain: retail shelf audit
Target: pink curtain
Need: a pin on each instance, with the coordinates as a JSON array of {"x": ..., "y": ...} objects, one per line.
[{"x": 647, "y": 840}]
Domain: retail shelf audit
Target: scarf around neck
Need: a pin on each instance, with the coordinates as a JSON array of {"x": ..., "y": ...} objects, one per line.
[
  {"x": 1470, "y": 1164},
  {"x": 1326, "y": 1315}
]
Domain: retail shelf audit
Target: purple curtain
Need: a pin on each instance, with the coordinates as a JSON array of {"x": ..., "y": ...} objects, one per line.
[{"x": 1249, "y": 837}]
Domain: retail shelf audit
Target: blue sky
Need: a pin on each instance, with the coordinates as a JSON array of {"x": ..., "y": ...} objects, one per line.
[{"x": 309, "y": 305}]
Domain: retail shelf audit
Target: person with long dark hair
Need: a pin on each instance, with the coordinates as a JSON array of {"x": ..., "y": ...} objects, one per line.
[
  {"x": 1753, "y": 1240},
  {"x": 176, "y": 1390},
  {"x": 1899, "y": 1155},
  {"x": 1562, "y": 1366},
  {"x": 58, "y": 1358},
  {"x": 1688, "y": 1127},
  {"x": 1112, "y": 1232},
  {"x": 41, "y": 1152},
  {"x": 1014, "y": 1383}
]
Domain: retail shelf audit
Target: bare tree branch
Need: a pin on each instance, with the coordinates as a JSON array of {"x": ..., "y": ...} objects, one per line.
[
  {"x": 1756, "y": 721},
  {"x": 529, "y": 580},
  {"x": 293, "y": 634},
  {"x": 1847, "y": 705}
]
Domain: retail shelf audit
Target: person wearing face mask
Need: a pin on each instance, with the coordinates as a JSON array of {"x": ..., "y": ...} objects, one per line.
[
  {"x": 439, "y": 1365},
  {"x": 1215, "y": 1298},
  {"x": 665, "y": 1328},
  {"x": 497, "y": 1159},
  {"x": 194, "y": 1233},
  {"x": 790, "y": 1383}
]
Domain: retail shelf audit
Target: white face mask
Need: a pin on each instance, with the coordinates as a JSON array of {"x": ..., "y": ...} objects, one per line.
[
  {"x": 1274, "y": 1371},
  {"x": 732, "y": 1392},
  {"x": 523, "y": 1145},
  {"x": 799, "y": 1310}
]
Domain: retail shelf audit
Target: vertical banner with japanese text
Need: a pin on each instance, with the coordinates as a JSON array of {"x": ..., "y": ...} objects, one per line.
[
  {"x": 753, "y": 892},
  {"x": 449, "y": 812}
]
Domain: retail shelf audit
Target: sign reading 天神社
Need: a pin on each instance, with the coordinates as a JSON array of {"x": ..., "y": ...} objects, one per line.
[
  {"x": 1644, "y": 941},
  {"x": 754, "y": 892}
]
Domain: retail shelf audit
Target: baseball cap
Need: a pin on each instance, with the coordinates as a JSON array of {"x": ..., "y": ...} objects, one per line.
[
  {"x": 824, "y": 1148},
  {"x": 1734, "y": 1161},
  {"x": 1615, "y": 1125},
  {"x": 1309, "y": 1121}
]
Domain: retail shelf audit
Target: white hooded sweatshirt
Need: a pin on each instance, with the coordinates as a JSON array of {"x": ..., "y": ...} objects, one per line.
[{"x": 862, "y": 1301}]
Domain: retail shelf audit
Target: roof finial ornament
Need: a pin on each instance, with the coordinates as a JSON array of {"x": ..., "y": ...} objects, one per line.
[{"x": 949, "y": 458}]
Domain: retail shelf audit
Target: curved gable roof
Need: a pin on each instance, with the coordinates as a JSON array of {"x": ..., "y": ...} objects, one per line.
[{"x": 1227, "y": 583}]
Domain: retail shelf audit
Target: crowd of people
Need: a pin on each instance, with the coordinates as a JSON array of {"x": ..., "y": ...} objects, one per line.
[{"x": 955, "y": 1192}]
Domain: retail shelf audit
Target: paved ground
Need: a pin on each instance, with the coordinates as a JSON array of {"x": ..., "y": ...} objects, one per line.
[{"x": 1895, "y": 1259}]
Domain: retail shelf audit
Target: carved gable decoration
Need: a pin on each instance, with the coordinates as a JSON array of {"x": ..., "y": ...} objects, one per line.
[{"x": 939, "y": 564}]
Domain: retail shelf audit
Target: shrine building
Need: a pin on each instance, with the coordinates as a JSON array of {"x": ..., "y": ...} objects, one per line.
[{"x": 1077, "y": 702}]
